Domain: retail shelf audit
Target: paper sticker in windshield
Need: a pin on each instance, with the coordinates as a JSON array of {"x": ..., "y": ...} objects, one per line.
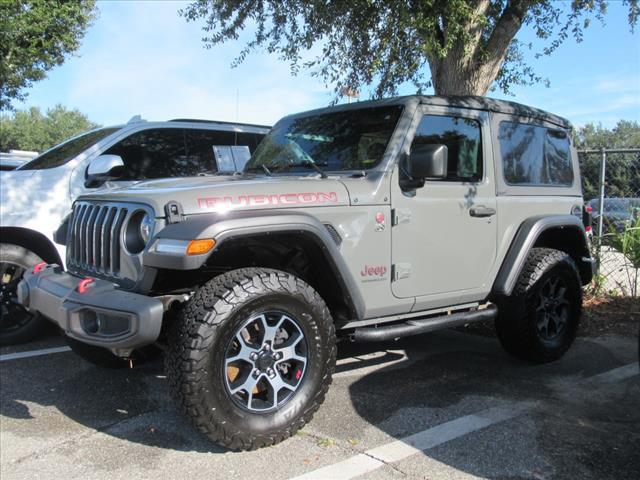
[{"x": 243, "y": 201}]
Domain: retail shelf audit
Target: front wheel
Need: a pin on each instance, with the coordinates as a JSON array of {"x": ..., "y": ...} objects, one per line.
[
  {"x": 539, "y": 321},
  {"x": 251, "y": 357},
  {"x": 17, "y": 324}
]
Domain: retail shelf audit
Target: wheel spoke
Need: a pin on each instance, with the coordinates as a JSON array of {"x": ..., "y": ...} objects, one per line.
[
  {"x": 247, "y": 385},
  {"x": 277, "y": 383},
  {"x": 561, "y": 293},
  {"x": 244, "y": 353},
  {"x": 543, "y": 324},
  {"x": 288, "y": 351},
  {"x": 269, "y": 335},
  {"x": 561, "y": 319}
]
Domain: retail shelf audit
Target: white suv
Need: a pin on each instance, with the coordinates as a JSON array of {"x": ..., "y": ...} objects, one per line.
[{"x": 37, "y": 196}]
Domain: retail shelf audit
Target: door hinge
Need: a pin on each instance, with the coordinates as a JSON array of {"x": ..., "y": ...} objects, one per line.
[
  {"x": 401, "y": 271},
  {"x": 400, "y": 215}
]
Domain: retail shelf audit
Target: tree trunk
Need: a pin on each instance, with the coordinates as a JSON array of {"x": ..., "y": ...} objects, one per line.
[
  {"x": 471, "y": 69},
  {"x": 454, "y": 76}
]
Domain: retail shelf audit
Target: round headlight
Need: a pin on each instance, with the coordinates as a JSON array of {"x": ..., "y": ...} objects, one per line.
[
  {"x": 146, "y": 227},
  {"x": 138, "y": 231}
]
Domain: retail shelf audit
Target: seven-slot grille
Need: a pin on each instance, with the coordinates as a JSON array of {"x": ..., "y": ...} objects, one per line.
[{"x": 94, "y": 237}]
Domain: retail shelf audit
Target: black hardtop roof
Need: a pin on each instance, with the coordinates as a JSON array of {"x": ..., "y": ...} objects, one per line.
[{"x": 472, "y": 102}]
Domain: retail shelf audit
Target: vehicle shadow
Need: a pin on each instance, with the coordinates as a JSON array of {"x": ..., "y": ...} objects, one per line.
[
  {"x": 133, "y": 405},
  {"x": 461, "y": 374}
]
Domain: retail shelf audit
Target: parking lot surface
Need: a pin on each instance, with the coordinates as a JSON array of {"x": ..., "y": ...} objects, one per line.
[{"x": 448, "y": 405}]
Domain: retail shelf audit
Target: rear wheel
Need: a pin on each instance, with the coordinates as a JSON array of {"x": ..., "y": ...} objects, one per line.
[
  {"x": 17, "y": 324},
  {"x": 540, "y": 320},
  {"x": 251, "y": 357}
]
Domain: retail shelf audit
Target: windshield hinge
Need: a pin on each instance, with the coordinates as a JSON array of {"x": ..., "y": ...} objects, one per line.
[{"x": 173, "y": 211}]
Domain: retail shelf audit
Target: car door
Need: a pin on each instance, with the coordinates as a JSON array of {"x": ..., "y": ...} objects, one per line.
[{"x": 444, "y": 233}]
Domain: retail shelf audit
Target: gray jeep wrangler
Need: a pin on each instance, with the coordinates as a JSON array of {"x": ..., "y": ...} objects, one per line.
[{"x": 369, "y": 222}]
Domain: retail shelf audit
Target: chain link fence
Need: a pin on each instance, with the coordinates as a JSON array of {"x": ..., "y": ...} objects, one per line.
[{"x": 611, "y": 186}]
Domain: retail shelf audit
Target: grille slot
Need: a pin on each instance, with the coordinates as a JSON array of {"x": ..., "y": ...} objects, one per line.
[{"x": 94, "y": 240}]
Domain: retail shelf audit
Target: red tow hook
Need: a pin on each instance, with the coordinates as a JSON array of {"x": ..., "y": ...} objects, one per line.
[
  {"x": 39, "y": 267},
  {"x": 84, "y": 285}
]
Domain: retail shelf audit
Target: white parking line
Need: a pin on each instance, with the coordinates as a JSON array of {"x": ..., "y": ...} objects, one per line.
[
  {"x": 419, "y": 442},
  {"x": 405, "y": 447},
  {"x": 33, "y": 353}
]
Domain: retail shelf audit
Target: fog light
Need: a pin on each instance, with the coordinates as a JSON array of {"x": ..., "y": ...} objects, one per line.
[
  {"x": 100, "y": 324},
  {"x": 90, "y": 322}
]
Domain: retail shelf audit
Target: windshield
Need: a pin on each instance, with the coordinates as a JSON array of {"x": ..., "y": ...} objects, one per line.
[
  {"x": 349, "y": 140},
  {"x": 62, "y": 153}
]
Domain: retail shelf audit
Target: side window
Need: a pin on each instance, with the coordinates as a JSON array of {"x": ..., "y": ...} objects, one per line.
[
  {"x": 557, "y": 158},
  {"x": 200, "y": 143},
  {"x": 534, "y": 155},
  {"x": 154, "y": 153},
  {"x": 463, "y": 140}
]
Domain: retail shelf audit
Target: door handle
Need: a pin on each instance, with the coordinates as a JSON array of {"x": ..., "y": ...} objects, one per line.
[{"x": 482, "y": 212}]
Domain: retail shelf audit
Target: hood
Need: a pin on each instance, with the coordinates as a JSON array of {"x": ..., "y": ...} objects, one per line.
[{"x": 224, "y": 193}]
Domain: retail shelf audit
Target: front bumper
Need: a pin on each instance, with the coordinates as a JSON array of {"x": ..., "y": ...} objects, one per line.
[{"x": 98, "y": 313}]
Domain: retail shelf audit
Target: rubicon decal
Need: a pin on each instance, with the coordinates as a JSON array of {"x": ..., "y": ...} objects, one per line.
[{"x": 240, "y": 201}]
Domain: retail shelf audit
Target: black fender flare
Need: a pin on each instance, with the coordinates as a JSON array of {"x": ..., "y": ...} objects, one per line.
[
  {"x": 32, "y": 240},
  {"x": 524, "y": 240},
  {"x": 225, "y": 227}
]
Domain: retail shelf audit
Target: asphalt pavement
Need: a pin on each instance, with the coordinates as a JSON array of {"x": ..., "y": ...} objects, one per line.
[{"x": 447, "y": 405}]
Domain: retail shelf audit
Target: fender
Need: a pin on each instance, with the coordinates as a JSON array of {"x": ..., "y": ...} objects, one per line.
[
  {"x": 225, "y": 227},
  {"x": 525, "y": 239}
]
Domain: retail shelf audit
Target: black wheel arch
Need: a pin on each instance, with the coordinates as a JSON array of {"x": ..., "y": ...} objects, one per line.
[
  {"x": 33, "y": 241},
  {"x": 290, "y": 241},
  {"x": 560, "y": 232}
]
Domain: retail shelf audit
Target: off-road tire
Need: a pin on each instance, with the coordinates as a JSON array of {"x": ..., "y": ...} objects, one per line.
[
  {"x": 516, "y": 324},
  {"x": 33, "y": 324},
  {"x": 103, "y": 358},
  {"x": 198, "y": 339}
]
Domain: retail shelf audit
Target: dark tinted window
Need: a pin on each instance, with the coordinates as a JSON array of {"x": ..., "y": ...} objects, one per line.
[
  {"x": 533, "y": 155},
  {"x": 200, "y": 157},
  {"x": 200, "y": 143},
  {"x": 347, "y": 140},
  {"x": 463, "y": 141},
  {"x": 64, "y": 152},
  {"x": 157, "y": 153},
  {"x": 175, "y": 152}
]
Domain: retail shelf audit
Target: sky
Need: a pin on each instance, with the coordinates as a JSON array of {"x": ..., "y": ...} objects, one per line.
[{"x": 142, "y": 58}]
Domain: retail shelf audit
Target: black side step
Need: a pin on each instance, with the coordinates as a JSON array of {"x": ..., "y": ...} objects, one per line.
[{"x": 415, "y": 327}]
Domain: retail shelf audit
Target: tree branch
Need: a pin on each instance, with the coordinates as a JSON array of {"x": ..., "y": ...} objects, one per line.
[{"x": 506, "y": 28}]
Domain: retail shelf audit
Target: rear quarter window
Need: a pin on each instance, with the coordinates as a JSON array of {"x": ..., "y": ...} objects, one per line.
[{"x": 535, "y": 156}]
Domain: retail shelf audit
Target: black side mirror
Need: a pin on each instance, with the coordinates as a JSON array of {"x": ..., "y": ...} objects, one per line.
[{"x": 426, "y": 161}]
